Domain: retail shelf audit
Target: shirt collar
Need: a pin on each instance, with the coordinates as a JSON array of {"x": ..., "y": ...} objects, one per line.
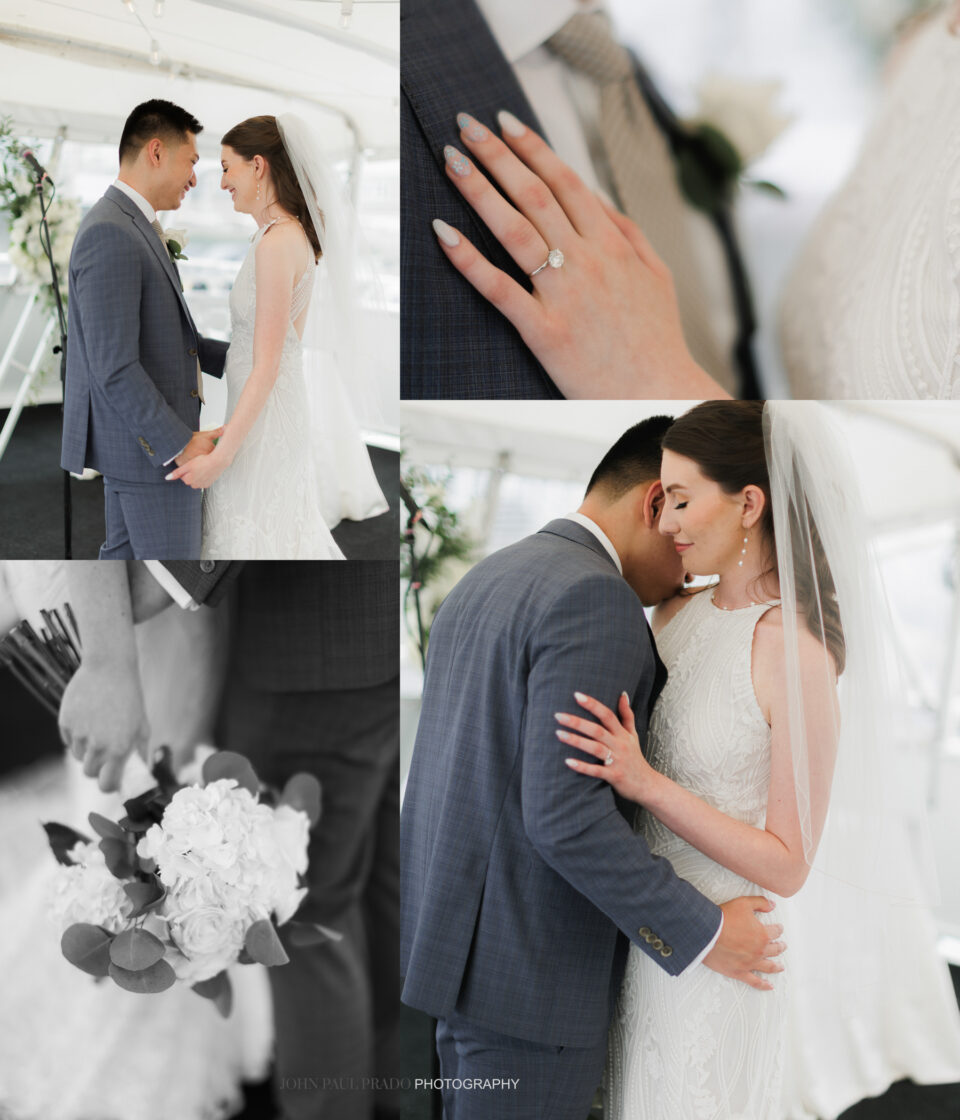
[
  {"x": 593, "y": 527},
  {"x": 521, "y": 27},
  {"x": 144, "y": 207}
]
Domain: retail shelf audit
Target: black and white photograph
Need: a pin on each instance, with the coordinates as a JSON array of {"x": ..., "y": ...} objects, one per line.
[{"x": 208, "y": 927}]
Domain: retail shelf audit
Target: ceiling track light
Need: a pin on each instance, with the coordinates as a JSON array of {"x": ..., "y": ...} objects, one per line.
[
  {"x": 128, "y": 4},
  {"x": 158, "y": 9},
  {"x": 346, "y": 13},
  {"x": 154, "y": 53}
]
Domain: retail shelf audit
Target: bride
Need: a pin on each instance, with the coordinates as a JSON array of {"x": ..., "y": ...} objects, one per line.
[
  {"x": 743, "y": 759},
  {"x": 268, "y": 480}
]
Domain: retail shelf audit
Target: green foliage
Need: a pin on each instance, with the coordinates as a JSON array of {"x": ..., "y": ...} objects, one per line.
[
  {"x": 263, "y": 944},
  {"x": 440, "y": 544},
  {"x": 229, "y": 764},
  {"x": 16, "y": 191}
]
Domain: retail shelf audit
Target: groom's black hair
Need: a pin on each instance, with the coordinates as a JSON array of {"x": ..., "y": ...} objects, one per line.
[
  {"x": 633, "y": 459},
  {"x": 155, "y": 118}
]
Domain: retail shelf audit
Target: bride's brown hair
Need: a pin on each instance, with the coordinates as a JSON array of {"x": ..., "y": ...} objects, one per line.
[
  {"x": 260, "y": 136},
  {"x": 725, "y": 439}
]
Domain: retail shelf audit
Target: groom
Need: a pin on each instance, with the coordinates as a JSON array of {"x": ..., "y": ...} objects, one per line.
[
  {"x": 133, "y": 387},
  {"x": 521, "y": 883}
]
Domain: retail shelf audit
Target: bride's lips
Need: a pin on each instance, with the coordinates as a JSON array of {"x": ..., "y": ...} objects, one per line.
[{"x": 682, "y": 547}]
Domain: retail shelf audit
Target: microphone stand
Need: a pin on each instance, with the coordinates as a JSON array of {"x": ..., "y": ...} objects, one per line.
[
  {"x": 61, "y": 349},
  {"x": 416, "y": 515}
]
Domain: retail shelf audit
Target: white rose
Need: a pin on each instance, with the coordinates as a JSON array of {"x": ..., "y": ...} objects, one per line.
[
  {"x": 209, "y": 939},
  {"x": 744, "y": 111},
  {"x": 88, "y": 892}
]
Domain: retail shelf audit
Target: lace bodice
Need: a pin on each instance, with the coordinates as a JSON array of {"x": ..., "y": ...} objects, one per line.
[
  {"x": 265, "y": 506},
  {"x": 702, "y": 1046},
  {"x": 872, "y": 309}
]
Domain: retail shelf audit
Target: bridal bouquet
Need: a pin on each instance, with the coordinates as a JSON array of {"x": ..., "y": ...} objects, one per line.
[{"x": 191, "y": 880}]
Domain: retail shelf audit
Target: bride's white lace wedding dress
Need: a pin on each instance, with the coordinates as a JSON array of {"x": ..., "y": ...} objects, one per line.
[
  {"x": 872, "y": 308},
  {"x": 700, "y": 1045},
  {"x": 266, "y": 505}
]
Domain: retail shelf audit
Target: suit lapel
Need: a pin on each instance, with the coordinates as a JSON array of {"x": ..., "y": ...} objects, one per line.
[
  {"x": 573, "y": 531},
  {"x": 472, "y": 75},
  {"x": 159, "y": 250}
]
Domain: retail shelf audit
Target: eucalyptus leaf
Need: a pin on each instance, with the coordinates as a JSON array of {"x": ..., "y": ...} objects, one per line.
[
  {"x": 220, "y": 990},
  {"x": 143, "y": 896},
  {"x": 105, "y": 828},
  {"x": 263, "y": 944},
  {"x": 62, "y": 839},
  {"x": 767, "y": 187},
  {"x": 87, "y": 947},
  {"x": 135, "y": 950},
  {"x": 229, "y": 764},
  {"x": 118, "y": 856},
  {"x": 157, "y": 978},
  {"x": 302, "y": 792}
]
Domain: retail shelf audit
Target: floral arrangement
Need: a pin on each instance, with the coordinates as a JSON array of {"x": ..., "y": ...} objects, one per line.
[
  {"x": 18, "y": 197},
  {"x": 736, "y": 121},
  {"x": 436, "y": 551},
  {"x": 192, "y": 880}
]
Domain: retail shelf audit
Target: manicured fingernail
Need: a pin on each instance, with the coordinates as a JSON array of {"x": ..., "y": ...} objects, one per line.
[
  {"x": 168, "y": 477},
  {"x": 447, "y": 234},
  {"x": 564, "y": 735},
  {"x": 571, "y": 762},
  {"x": 561, "y": 716},
  {"x": 456, "y": 161},
  {"x": 624, "y": 694},
  {"x": 509, "y": 123},
  {"x": 579, "y": 697},
  {"x": 471, "y": 127}
]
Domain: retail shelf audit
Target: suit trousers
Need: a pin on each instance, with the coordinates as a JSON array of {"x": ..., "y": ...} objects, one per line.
[
  {"x": 336, "y": 1005},
  {"x": 558, "y": 1082},
  {"x": 150, "y": 521}
]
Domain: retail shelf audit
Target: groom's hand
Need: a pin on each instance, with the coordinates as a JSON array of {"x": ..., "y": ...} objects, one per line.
[
  {"x": 201, "y": 443},
  {"x": 746, "y": 945},
  {"x": 103, "y": 719}
]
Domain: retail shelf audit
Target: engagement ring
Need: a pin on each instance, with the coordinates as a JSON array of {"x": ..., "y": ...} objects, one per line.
[
  {"x": 608, "y": 761},
  {"x": 554, "y": 260}
]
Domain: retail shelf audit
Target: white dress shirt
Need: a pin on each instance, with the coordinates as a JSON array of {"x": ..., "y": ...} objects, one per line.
[
  {"x": 593, "y": 527},
  {"x": 145, "y": 208},
  {"x": 568, "y": 106},
  {"x": 177, "y": 593}
]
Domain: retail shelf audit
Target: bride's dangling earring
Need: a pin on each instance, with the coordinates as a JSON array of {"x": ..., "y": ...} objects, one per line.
[
  {"x": 258, "y": 190},
  {"x": 743, "y": 552}
]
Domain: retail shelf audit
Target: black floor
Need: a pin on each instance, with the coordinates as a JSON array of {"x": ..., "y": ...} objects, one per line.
[{"x": 31, "y": 500}]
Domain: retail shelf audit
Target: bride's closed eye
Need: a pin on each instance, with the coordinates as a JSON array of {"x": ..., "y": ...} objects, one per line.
[{"x": 680, "y": 505}]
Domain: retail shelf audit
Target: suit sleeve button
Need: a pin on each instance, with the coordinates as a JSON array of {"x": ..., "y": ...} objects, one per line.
[
  {"x": 643, "y": 931},
  {"x": 666, "y": 951},
  {"x": 207, "y": 566}
]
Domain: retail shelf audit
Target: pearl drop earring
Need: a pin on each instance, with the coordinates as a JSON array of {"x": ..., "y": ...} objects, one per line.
[
  {"x": 258, "y": 190},
  {"x": 743, "y": 552}
]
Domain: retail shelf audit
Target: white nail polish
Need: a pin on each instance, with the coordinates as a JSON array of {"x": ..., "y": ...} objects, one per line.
[
  {"x": 579, "y": 697},
  {"x": 447, "y": 234},
  {"x": 509, "y": 123}
]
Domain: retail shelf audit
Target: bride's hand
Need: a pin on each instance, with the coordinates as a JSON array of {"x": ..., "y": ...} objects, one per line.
[
  {"x": 201, "y": 471},
  {"x": 606, "y": 323},
  {"x": 627, "y": 771}
]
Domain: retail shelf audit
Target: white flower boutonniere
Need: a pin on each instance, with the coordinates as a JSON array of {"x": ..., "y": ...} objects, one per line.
[{"x": 176, "y": 242}]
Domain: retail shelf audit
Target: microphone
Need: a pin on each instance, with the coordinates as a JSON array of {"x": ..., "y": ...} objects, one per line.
[{"x": 34, "y": 164}]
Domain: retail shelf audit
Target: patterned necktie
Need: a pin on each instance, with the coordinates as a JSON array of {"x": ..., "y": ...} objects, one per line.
[
  {"x": 643, "y": 173},
  {"x": 159, "y": 231}
]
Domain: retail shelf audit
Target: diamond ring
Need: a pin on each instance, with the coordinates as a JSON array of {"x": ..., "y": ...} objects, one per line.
[
  {"x": 554, "y": 260},
  {"x": 608, "y": 761}
]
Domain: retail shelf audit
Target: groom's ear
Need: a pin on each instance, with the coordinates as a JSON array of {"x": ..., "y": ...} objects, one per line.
[{"x": 653, "y": 504}]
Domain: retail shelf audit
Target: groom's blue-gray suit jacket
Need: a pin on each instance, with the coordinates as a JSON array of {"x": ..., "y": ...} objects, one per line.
[
  {"x": 130, "y": 400},
  {"x": 521, "y": 881}
]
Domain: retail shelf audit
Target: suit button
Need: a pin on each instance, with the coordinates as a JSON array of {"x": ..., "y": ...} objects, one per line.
[
  {"x": 207, "y": 566},
  {"x": 649, "y": 938},
  {"x": 644, "y": 931},
  {"x": 194, "y": 393},
  {"x": 192, "y": 353},
  {"x": 666, "y": 951},
  {"x": 141, "y": 441},
  {"x": 657, "y": 943}
]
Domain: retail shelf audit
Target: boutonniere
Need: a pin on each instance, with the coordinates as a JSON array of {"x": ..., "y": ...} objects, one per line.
[
  {"x": 734, "y": 125},
  {"x": 176, "y": 241}
]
